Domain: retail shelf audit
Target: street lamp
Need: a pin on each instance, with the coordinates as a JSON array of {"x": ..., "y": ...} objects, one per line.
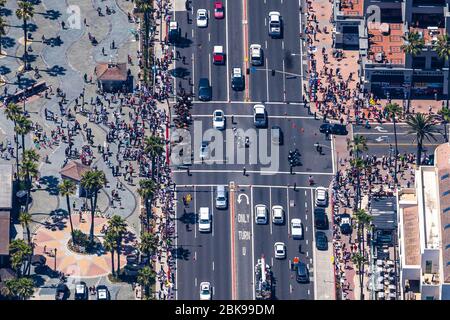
[{"x": 56, "y": 250}]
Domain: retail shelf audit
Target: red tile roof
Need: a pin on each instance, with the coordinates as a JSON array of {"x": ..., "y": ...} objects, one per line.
[
  {"x": 4, "y": 232},
  {"x": 74, "y": 170},
  {"x": 108, "y": 71}
]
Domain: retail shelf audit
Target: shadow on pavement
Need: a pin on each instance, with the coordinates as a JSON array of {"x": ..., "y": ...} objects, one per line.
[
  {"x": 56, "y": 71},
  {"x": 52, "y": 184},
  {"x": 188, "y": 217},
  {"x": 181, "y": 253},
  {"x": 8, "y": 42},
  {"x": 51, "y": 14},
  {"x": 4, "y": 70},
  {"x": 180, "y": 72},
  {"x": 5, "y": 12}
]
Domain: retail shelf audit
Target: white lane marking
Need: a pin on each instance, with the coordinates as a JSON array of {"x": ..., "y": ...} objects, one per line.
[
  {"x": 250, "y": 102},
  {"x": 209, "y": 66},
  {"x": 267, "y": 80},
  {"x": 306, "y": 228},
  {"x": 209, "y": 37},
  {"x": 270, "y": 210},
  {"x": 307, "y": 253},
  {"x": 306, "y": 216},
  {"x": 212, "y": 211},
  {"x": 241, "y": 185},
  {"x": 195, "y": 256},
  {"x": 309, "y": 292},
  {"x": 265, "y": 22},
  {"x": 271, "y": 261},
  {"x": 290, "y": 288},
  {"x": 288, "y": 206},
  {"x": 314, "y": 250},
  {"x": 306, "y": 205},
  {"x": 250, "y": 116},
  {"x": 195, "y": 215},
  {"x": 253, "y": 240},
  {"x": 195, "y": 281},
  {"x": 284, "y": 82},
  {"x": 213, "y": 265},
  {"x": 282, "y": 44},
  {"x": 266, "y": 44},
  {"x": 307, "y": 241},
  {"x": 228, "y": 50},
  {"x": 254, "y": 171},
  {"x": 193, "y": 72}
]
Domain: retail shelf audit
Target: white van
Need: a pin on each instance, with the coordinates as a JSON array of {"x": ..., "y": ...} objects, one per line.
[{"x": 204, "y": 220}]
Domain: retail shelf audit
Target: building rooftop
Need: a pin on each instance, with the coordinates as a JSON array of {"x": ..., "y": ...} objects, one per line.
[
  {"x": 4, "y": 232},
  {"x": 352, "y": 8},
  {"x": 429, "y": 204},
  {"x": 384, "y": 213},
  {"x": 6, "y": 186},
  {"x": 411, "y": 236},
  {"x": 74, "y": 170},
  {"x": 385, "y": 41},
  {"x": 429, "y": 35},
  {"x": 442, "y": 163},
  {"x": 108, "y": 71}
]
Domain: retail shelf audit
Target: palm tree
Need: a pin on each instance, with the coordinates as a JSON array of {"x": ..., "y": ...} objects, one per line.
[
  {"x": 110, "y": 244},
  {"x": 119, "y": 227},
  {"x": 359, "y": 260},
  {"x": 25, "y": 12},
  {"x": 357, "y": 145},
  {"x": 29, "y": 170},
  {"x": 393, "y": 110},
  {"x": 146, "y": 278},
  {"x": 357, "y": 165},
  {"x": 414, "y": 43},
  {"x": 145, "y": 7},
  {"x": 442, "y": 48},
  {"x": 68, "y": 188},
  {"x": 25, "y": 220},
  {"x": 154, "y": 147},
  {"x": 19, "y": 253},
  {"x": 93, "y": 181},
  {"x": 23, "y": 127},
  {"x": 12, "y": 112},
  {"x": 22, "y": 288},
  {"x": 445, "y": 116},
  {"x": 2, "y": 31},
  {"x": 146, "y": 190},
  {"x": 423, "y": 127},
  {"x": 363, "y": 219},
  {"x": 149, "y": 244}
]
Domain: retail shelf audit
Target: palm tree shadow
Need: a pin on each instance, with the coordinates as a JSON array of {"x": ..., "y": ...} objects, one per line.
[
  {"x": 26, "y": 82},
  {"x": 52, "y": 184},
  {"x": 31, "y": 27},
  {"x": 56, "y": 71},
  {"x": 181, "y": 253},
  {"x": 51, "y": 14},
  {"x": 8, "y": 42},
  {"x": 4, "y": 70},
  {"x": 5, "y": 12},
  {"x": 188, "y": 218}
]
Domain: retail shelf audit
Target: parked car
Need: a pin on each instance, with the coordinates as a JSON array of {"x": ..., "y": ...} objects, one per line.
[
  {"x": 62, "y": 292},
  {"x": 81, "y": 291},
  {"x": 320, "y": 219},
  {"x": 302, "y": 274},
  {"x": 103, "y": 293},
  {"x": 321, "y": 197},
  {"x": 321, "y": 241}
]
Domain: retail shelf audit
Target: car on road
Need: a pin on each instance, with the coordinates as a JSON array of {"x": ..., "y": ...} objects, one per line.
[
  {"x": 221, "y": 197},
  {"x": 259, "y": 116},
  {"x": 62, "y": 292},
  {"x": 279, "y": 249},
  {"x": 218, "y": 119},
  {"x": 205, "y": 291},
  {"x": 302, "y": 274},
  {"x": 275, "y": 24},
  {"x": 204, "y": 90},
  {"x": 218, "y": 55},
  {"x": 256, "y": 55},
  {"x": 81, "y": 291},
  {"x": 277, "y": 135},
  {"x": 296, "y": 229},
  {"x": 202, "y": 18},
  {"x": 321, "y": 197},
  {"x": 204, "y": 221},
  {"x": 345, "y": 224},
  {"x": 321, "y": 241},
  {"x": 103, "y": 293},
  {"x": 204, "y": 150},
  {"x": 219, "y": 10},
  {"x": 338, "y": 129},
  {"x": 320, "y": 219},
  {"x": 277, "y": 214},
  {"x": 237, "y": 80},
  {"x": 174, "y": 32},
  {"x": 260, "y": 214}
]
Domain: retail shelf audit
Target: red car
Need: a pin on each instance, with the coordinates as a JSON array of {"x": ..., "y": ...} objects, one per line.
[{"x": 219, "y": 10}]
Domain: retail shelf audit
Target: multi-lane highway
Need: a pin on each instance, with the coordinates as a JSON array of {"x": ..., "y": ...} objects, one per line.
[{"x": 226, "y": 256}]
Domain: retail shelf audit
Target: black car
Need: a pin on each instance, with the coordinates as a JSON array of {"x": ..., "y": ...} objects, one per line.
[
  {"x": 81, "y": 291},
  {"x": 320, "y": 219},
  {"x": 339, "y": 129},
  {"x": 103, "y": 293},
  {"x": 321, "y": 241},
  {"x": 302, "y": 274},
  {"x": 62, "y": 292},
  {"x": 237, "y": 80},
  {"x": 325, "y": 128},
  {"x": 204, "y": 90}
]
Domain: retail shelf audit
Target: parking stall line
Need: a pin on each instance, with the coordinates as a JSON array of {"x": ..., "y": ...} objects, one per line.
[
  {"x": 313, "y": 259},
  {"x": 195, "y": 213},
  {"x": 270, "y": 210}
]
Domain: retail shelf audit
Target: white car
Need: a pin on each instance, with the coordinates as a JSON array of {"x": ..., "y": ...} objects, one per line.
[
  {"x": 204, "y": 150},
  {"x": 204, "y": 221},
  {"x": 256, "y": 55},
  {"x": 218, "y": 120},
  {"x": 279, "y": 250},
  {"x": 275, "y": 24},
  {"x": 277, "y": 215},
  {"x": 205, "y": 291},
  {"x": 260, "y": 214},
  {"x": 321, "y": 197},
  {"x": 296, "y": 229},
  {"x": 259, "y": 116},
  {"x": 202, "y": 18}
]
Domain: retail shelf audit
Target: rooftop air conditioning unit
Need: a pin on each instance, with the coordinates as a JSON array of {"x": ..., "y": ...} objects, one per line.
[{"x": 379, "y": 57}]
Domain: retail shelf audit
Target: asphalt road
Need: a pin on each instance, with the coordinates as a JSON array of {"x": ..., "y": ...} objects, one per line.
[
  {"x": 381, "y": 139},
  {"x": 226, "y": 257}
]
